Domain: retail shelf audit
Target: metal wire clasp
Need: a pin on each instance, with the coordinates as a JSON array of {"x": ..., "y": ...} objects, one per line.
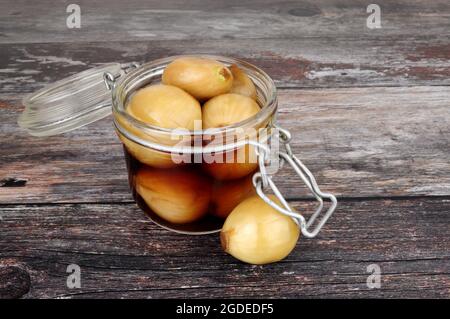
[
  {"x": 110, "y": 79},
  {"x": 262, "y": 180}
]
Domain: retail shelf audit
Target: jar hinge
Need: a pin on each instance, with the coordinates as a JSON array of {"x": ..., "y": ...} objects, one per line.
[
  {"x": 110, "y": 79},
  {"x": 262, "y": 180}
]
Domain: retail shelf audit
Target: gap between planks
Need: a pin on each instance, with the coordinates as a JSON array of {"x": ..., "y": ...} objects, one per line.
[{"x": 290, "y": 199}]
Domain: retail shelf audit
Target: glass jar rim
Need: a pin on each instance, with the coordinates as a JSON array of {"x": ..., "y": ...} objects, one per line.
[{"x": 119, "y": 103}]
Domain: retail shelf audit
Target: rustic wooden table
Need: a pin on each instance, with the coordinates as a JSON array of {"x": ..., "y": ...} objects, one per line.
[{"x": 369, "y": 110}]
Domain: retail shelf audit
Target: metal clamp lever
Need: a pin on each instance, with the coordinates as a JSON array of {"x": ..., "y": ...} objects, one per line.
[{"x": 261, "y": 180}]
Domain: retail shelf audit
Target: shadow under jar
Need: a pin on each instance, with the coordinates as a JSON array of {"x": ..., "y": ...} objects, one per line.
[{"x": 189, "y": 181}]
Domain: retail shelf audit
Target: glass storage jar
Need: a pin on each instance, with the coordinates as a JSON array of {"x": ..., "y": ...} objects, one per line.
[{"x": 185, "y": 181}]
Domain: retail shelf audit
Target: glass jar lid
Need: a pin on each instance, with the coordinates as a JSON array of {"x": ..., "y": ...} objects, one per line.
[{"x": 69, "y": 103}]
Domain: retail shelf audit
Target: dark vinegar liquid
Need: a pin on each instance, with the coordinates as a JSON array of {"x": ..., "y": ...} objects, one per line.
[{"x": 166, "y": 188}]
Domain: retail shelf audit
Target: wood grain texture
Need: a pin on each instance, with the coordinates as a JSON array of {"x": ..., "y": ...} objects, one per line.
[
  {"x": 45, "y": 21},
  {"x": 14, "y": 281},
  {"x": 368, "y": 109},
  {"x": 358, "y": 142},
  {"x": 122, "y": 254},
  {"x": 292, "y": 63}
]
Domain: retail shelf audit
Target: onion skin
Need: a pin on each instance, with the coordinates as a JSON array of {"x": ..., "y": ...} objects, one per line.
[
  {"x": 227, "y": 109},
  {"x": 177, "y": 195},
  {"x": 242, "y": 84},
  {"x": 244, "y": 163},
  {"x": 258, "y": 234},
  {"x": 229, "y": 194},
  {"x": 163, "y": 106},
  {"x": 148, "y": 156},
  {"x": 202, "y": 78}
]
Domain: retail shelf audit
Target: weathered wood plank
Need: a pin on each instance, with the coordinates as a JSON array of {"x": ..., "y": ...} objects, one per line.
[
  {"x": 394, "y": 142},
  {"x": 122, "y": 254},
  {"x": 357, "y": 142},
  {"x": 45, "y": 21},
  {"x": 310, "y": 62}
]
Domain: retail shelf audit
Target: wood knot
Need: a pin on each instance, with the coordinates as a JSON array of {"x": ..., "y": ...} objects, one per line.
[
  {"x": 14, "y": 282},
  {"x": 13, "y": 182}
]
